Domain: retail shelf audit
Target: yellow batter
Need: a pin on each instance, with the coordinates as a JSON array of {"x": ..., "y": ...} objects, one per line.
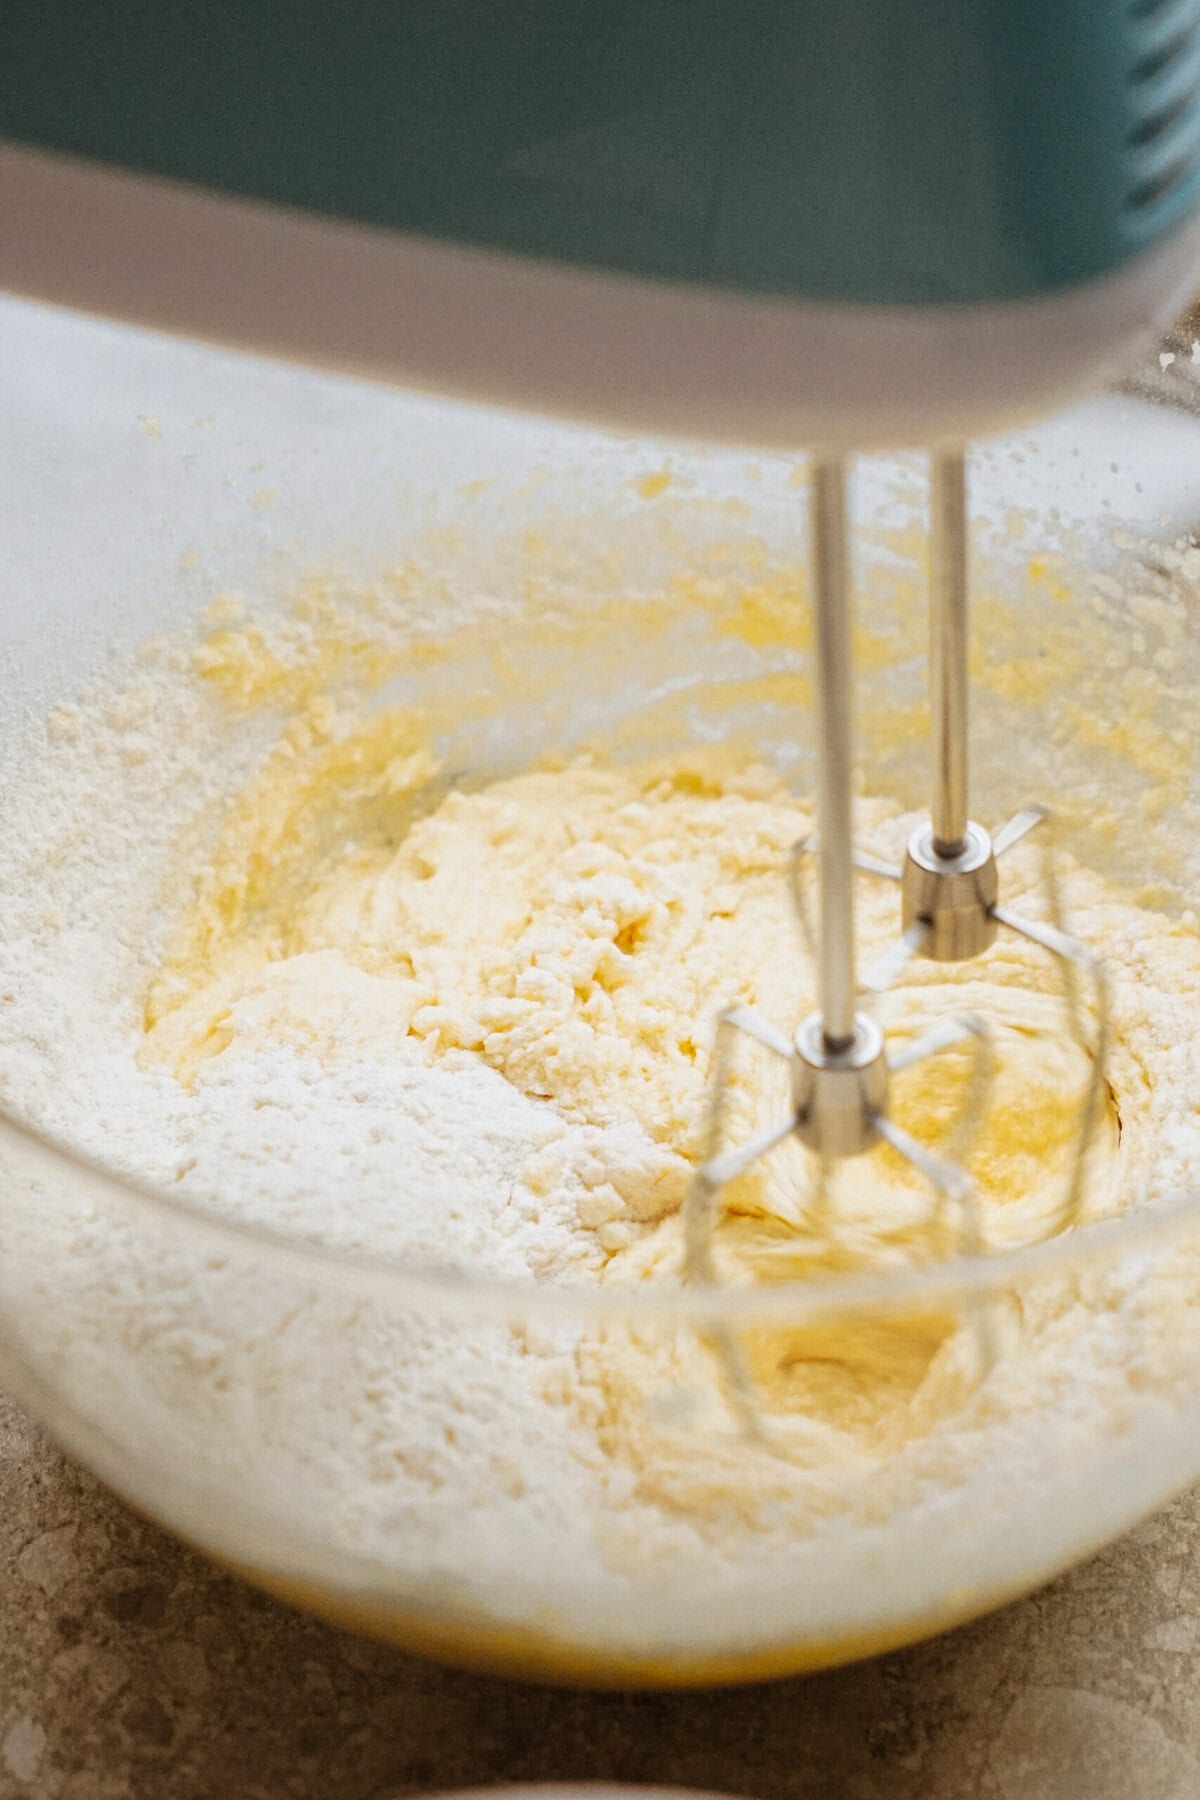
[{"x": 577, "y": 928}]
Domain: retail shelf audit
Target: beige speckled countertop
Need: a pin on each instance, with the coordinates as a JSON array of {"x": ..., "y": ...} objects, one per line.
[{"x": 130, "y": 1669}]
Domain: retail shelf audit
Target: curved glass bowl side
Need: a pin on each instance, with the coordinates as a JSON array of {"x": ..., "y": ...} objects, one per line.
[{"x": 175, "y": 1422}]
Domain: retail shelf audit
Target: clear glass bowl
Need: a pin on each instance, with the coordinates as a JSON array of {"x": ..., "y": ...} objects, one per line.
[{"x": 143, "y": 478}]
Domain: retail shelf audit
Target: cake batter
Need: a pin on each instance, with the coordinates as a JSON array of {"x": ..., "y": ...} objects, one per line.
[{"x": 576, "y": 929}]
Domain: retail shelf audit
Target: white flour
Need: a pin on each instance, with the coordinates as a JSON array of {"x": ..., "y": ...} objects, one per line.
[{"x": 396, "y": 1442}]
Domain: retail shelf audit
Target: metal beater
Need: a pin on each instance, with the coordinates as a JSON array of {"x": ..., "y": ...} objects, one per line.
[{"x": 839, "y": 1062}]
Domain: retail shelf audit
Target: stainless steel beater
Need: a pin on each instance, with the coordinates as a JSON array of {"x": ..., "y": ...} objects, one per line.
[
  {"x": 950, "y": 880},
  {"x": 839, "y": 1062}
]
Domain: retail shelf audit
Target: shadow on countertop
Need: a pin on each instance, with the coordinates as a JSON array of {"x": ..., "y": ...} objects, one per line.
[{"x": 129, "y": 1668}]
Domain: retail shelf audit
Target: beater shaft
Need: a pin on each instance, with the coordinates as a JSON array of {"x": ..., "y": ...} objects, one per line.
[
  {"x": 831, "y": 606},
  {"x": 948, "y": 650}
]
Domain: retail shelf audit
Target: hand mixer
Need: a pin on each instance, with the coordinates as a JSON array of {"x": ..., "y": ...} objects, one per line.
[{"x": 787, "y": 223}]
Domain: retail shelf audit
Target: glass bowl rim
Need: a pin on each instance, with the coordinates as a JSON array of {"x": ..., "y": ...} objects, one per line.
[{"x": 449, "y": 1292}]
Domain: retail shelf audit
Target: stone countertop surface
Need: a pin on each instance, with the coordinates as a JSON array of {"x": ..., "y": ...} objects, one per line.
[{"x": 129, "y": 1668}]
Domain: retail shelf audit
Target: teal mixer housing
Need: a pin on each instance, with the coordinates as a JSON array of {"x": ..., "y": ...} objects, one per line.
[{"x": 845, "y": 164}]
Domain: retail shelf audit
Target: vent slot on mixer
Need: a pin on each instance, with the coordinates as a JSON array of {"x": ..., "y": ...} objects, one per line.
[
  {"x": 1158, "y": 61},
  {"x": 1159, "y": 186},
  {"x": 1156, "y": 124}
]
